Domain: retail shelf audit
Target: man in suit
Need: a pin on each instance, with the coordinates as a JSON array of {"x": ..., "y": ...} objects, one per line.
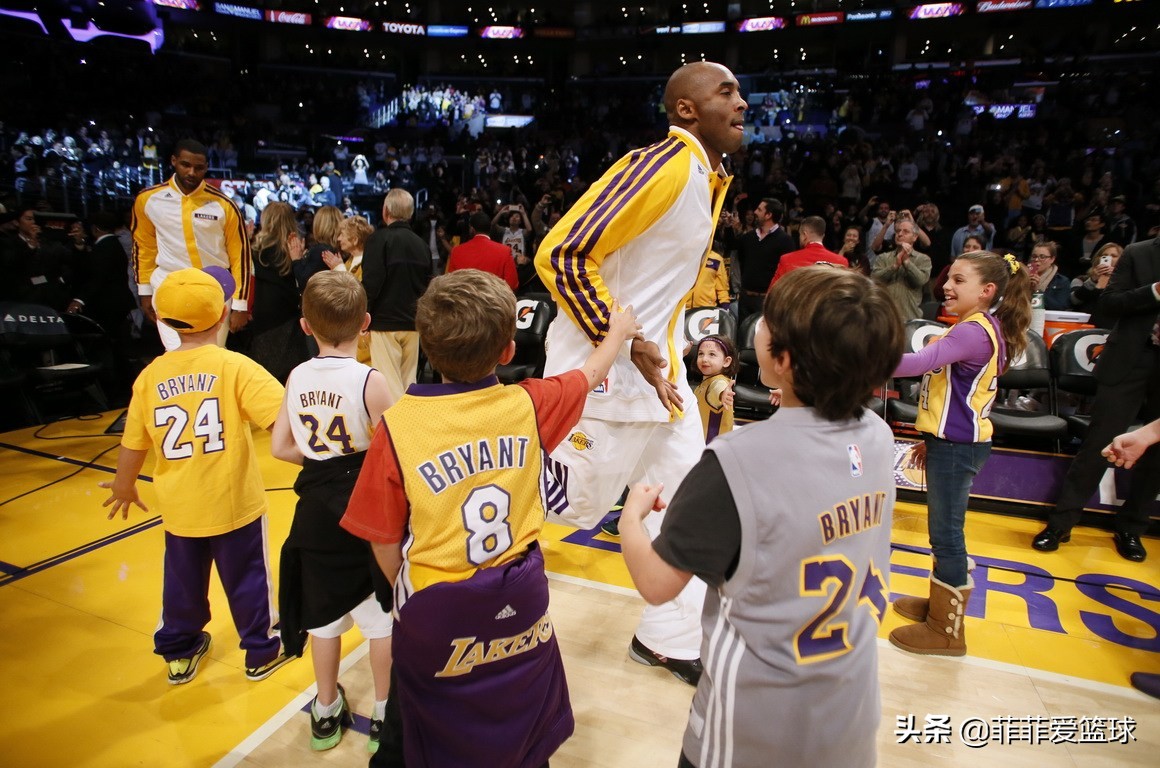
[
  {"x": 758, "y": 253},
  {"x": 102, "y": 289},
  {"x": 483, "y": 253},
  {"x": 1128, "y": 377}
]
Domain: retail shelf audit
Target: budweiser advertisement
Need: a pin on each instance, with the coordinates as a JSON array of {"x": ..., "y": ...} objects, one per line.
[{"x": 996, "y": 6}]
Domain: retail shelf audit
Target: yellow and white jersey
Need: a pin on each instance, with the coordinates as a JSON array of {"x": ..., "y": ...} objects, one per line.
[
  {"x": 173, "y": 231},
  {"x": 638, "y": 236},
  {"x": 955, "y": 400},
  {"x": 326, "y": 403},
  {"x": 712, "y": 288},
  {"x": 194, "y": 407}
]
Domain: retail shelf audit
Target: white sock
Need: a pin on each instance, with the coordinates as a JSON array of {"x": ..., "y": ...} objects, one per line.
[
  {"x": 380, "y": 710},
  {"x": 327, "y": 710}
]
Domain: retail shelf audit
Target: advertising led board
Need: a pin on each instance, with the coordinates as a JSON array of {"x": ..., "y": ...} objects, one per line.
[
  {"x": 761, "y": 24},
  {"x": 995, "y": 6},
  {"x": 348, "y": 24},
  {"x": 936, "y": 11},
  {"x": 501, "y": 33},
  {"x": 289, "y": 17},
  {"x": 818, "y": 19},
  {"x": 446, "y": 30},
  {"x": 403, "y": 28},
  {"x": 240, "y": 11}
]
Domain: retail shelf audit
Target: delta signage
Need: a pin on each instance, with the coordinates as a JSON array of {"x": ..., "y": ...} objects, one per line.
[
  {"x": 820, "y": 19},
  {"x": 289, "y": 17},
  {"x": 239, "y": 11},
  {"x": 881, "y": 14},
  {"x": 936, "y": 11},
  {"x": 399, "y": 28},
  {"x": 501, "y": 33},
  {"x": 348, "y": 24},
  {"x": 761, "y": 24},
  {"x": 996, "y": 6}
]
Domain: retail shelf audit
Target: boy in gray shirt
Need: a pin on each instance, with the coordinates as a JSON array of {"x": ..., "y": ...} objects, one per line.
[{"x": 788, "y": 521}]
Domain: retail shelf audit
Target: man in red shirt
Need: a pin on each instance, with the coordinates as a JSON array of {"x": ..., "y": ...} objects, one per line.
[
  {"x": 483, "y": 253},
  {"x": 811, "y": 232}
]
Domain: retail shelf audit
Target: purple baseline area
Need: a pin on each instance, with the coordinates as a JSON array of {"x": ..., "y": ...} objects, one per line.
[{"x": 1026, "y": 477}]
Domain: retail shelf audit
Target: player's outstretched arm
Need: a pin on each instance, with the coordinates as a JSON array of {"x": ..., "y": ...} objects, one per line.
[
  {"x": 123, "y": 487},
  {"x": 657, "y": 581},
  {"x": 621, "y": 327}
]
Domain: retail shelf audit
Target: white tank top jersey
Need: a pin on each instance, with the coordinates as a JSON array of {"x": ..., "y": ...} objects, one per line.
[{"x": 325, "y": 399}]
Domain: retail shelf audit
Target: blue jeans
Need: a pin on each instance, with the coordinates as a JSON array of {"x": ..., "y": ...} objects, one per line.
[{"x": 950, "y": 469}]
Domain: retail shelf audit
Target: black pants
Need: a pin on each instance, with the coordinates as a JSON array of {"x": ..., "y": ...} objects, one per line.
[
  {"x": 685, "y": 762},
  {"x": 1115, "y": 408}
]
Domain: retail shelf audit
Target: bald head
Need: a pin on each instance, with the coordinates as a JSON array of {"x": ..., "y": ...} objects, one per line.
[{"x": 689, "y": 82}]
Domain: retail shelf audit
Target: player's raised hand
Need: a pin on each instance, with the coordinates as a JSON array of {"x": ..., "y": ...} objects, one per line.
[
  {"x": 122, "y": 500},
  {"x": 647, "y": 358}
]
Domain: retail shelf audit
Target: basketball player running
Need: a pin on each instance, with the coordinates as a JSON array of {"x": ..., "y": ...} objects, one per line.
[{"x": 637, "y": 236}]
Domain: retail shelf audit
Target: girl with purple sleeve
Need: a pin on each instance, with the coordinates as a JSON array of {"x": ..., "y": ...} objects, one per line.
[{"x": 992, "y": 297}]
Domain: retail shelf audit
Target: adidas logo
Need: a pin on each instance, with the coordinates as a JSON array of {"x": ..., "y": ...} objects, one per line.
[{"x": 506, "y": 613}]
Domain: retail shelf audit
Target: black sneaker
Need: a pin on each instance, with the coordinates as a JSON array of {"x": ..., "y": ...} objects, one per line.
[
  {"x": 270, "y": 667},
  {"x": 686, "y": 671},
  {"x": 376, "y": 734},
  {"x": 181, "y": 671},
  {"x": 326, "y": 732},
  {"x": 611, "y": 527}
]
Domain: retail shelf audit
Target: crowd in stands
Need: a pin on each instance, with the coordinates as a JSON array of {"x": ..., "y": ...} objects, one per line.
[{"x": 1082, "y": 175}]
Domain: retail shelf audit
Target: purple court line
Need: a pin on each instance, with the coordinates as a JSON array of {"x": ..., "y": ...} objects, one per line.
[
  {"x": 361, "y": 724},
  {"x": 13, "y": 573}
]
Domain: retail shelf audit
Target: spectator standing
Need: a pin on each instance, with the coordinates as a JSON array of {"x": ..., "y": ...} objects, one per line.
[
  {"x": 482, "y": 253},
  {"x": 977, "y": 224},
  {"x": 396, "y": 270},
  {"x": 758, "y": 254},
  {"x": 903, "y": 271}
]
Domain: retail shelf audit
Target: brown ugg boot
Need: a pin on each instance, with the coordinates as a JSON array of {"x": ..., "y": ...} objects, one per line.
[
  {"x": 916, "y": 608},
  {"x": 943, "y": 633},
  {"x": 913, "y": 608}
]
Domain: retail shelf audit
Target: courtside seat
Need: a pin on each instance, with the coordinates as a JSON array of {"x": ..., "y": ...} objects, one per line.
[
  {"x": 1073, "y": 362},
  {"x": 1029, "y": 371},
  {"x": 533, "y": 317},
  {"x": 37, "y": 341},
  {"x": 750, "y": 396}
]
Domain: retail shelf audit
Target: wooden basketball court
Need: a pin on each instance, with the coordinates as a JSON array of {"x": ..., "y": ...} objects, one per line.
[{"x": 1052, "y": 640}]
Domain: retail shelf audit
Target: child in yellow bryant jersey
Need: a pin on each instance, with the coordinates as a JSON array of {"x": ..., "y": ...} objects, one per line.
[
  {"x": 193, "y": 407},
  {"x": 718, "y": 363},
  {"x": 452, "y": 496}
]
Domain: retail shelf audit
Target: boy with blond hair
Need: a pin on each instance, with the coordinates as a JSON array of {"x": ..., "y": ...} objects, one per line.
[
  {"x": 329, "y": 579},
  {"x": 193, "y": 406},
  {"x": 452, "y": 497}
]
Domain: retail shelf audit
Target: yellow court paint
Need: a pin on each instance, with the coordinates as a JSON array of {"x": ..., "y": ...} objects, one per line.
[{"x": 80, "y": 598}]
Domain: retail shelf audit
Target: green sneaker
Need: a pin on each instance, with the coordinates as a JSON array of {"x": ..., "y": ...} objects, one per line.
[
  {"x": 181, "y": 671},
  {"x": 376, "y": 734},
  {"x": 326, "y": 732},
  {"x": 611, "y": 527}
]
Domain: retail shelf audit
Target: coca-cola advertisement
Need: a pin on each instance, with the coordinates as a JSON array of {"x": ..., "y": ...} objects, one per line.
[{"x": 289, "y": 17}]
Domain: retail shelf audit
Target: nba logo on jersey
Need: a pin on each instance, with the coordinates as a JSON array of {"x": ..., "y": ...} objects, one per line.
[
  {"x": 601, "y": 388},
  {"x": 855, "y": 460}
]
